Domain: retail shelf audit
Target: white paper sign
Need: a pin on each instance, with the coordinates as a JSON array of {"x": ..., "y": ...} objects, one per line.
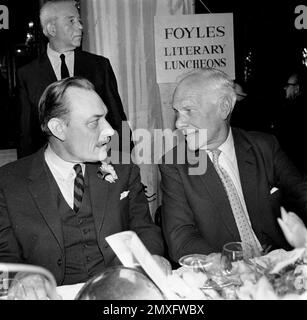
[{"x": 187, "y": 42}]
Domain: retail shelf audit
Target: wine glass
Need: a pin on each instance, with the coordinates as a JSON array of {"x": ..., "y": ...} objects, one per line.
[
  {"x": 195, "y": 262},
  {"x": 26, "y": 282},
  {"x": 232, "y": 252}
]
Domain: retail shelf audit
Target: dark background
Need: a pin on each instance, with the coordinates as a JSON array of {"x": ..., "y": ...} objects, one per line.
[
  {"x": 267, "y": 48},
  {"x": 266, "y": 29},
  {"x": 15, "y": 51}
]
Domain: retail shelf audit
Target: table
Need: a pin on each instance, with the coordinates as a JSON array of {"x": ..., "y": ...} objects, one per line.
[{"x": 69, "y": 292}]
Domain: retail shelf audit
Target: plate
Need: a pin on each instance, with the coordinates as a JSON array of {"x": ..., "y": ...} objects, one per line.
[
  {"x": 196, "y": 262},
  {"x": 214, "y": 281},
  {"x": 217, "y": 282}
]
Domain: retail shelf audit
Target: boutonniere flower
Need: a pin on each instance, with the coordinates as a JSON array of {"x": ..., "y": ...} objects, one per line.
[{"x": 107, "y": 172}]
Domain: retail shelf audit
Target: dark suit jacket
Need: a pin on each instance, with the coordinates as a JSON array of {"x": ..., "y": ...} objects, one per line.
[
  {"x": 196, "y": 213},
  {"x": 30, "y": 226},
  {"x": 33, "y": 79}
]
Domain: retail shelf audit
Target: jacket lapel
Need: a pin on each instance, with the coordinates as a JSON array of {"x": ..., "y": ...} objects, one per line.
[
  {"x": 218, "y": 196},
  {"x": 81, "y": 67},
  {"x": 248, "y": 176},
  {"x": 40, "y": 190},
  {"x": 98, "y": 189},
  {"x": 48, "y": 76}
]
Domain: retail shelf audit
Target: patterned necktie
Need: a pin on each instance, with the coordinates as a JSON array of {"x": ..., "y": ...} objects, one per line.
[
  {"x": 249, "y": 244},
  {"x": 64, "y": 69},
  {"x": 78, "y": 187}
]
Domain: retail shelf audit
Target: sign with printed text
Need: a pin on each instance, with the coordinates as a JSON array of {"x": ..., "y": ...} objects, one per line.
[{"x": 187, "y": 42}]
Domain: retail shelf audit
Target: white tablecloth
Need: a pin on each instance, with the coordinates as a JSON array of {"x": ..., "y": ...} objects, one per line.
[{"x": 69, "y": 292}]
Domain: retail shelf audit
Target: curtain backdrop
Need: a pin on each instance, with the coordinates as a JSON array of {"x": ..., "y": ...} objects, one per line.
[{"x": 123, "y": 31}]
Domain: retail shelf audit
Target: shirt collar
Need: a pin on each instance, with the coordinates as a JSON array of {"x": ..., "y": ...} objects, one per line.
[
  {"x": 227, "y": 147},
  {"x": 55, "y": 55},
  {"x": 64, "y": 168}
]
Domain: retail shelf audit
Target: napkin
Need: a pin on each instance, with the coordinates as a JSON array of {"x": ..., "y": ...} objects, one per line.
[
  {"x": 288, "y": 258},
  {"x": 131, "y": 251}
]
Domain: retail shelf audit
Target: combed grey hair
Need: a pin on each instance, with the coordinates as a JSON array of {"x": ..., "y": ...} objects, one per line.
[
  {"x": 49, "y": 11},
  {"x": 218, "y": 80}
]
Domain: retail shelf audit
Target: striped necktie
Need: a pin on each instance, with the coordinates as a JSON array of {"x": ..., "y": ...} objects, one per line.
[
  {"x": 249, "y": 244},
  {"x": 64, "y": 69},
  {"x": 78, "y": 187}
]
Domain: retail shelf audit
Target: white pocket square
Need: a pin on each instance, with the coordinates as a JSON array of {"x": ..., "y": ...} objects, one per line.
[
  {"x": 124, "y": 195},
  {"x": 273, "y": 190}
]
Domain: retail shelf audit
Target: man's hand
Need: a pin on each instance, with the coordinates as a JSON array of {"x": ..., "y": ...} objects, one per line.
[
  {"x": 163, "y": 264},
  {"x": 293, "y": 228},
  {"x": 31, "y": 287}
]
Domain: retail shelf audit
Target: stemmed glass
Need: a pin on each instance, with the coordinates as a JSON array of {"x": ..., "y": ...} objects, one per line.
[
  {"x": 237, "y": 251},
  {"x": 195, "y": 262},
  {"x": 232, "y": 252}
]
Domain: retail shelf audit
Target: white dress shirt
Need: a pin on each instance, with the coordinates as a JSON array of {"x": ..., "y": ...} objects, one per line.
[
  {"x": 55, "y": 61},
  {"x": 63, "y": 173},
  {"x": 228, "y": 161}
]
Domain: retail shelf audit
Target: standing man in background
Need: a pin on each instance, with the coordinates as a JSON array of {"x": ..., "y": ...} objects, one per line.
[
  {"x": 61, "y": 24},
  {"x": 290, "y": 126}
]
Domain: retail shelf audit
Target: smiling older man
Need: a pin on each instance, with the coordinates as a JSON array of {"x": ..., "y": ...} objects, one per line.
[
  {"x": 235, "y": 199},
  {"x": 55, "y": 211}
]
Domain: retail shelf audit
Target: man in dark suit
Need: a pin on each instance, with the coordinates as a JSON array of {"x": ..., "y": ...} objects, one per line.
[
  {"x": 61, "y": 24},
  {"x": 290, "y": 119},
  {"x": 55, "y": 211},
  {"x": 237, "y": 197}
]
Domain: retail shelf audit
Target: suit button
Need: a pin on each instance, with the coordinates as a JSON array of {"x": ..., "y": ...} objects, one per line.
[{"x": 59, "y": 262}]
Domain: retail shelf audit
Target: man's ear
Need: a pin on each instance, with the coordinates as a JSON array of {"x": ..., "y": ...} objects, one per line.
[
  {"x": 50, "y": 29},
  {"x": 226, "y": 106},
  {"x": 58, "y": 128}
]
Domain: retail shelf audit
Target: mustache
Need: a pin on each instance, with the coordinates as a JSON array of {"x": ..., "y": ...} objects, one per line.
[{"x": 104, "y": 142}]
